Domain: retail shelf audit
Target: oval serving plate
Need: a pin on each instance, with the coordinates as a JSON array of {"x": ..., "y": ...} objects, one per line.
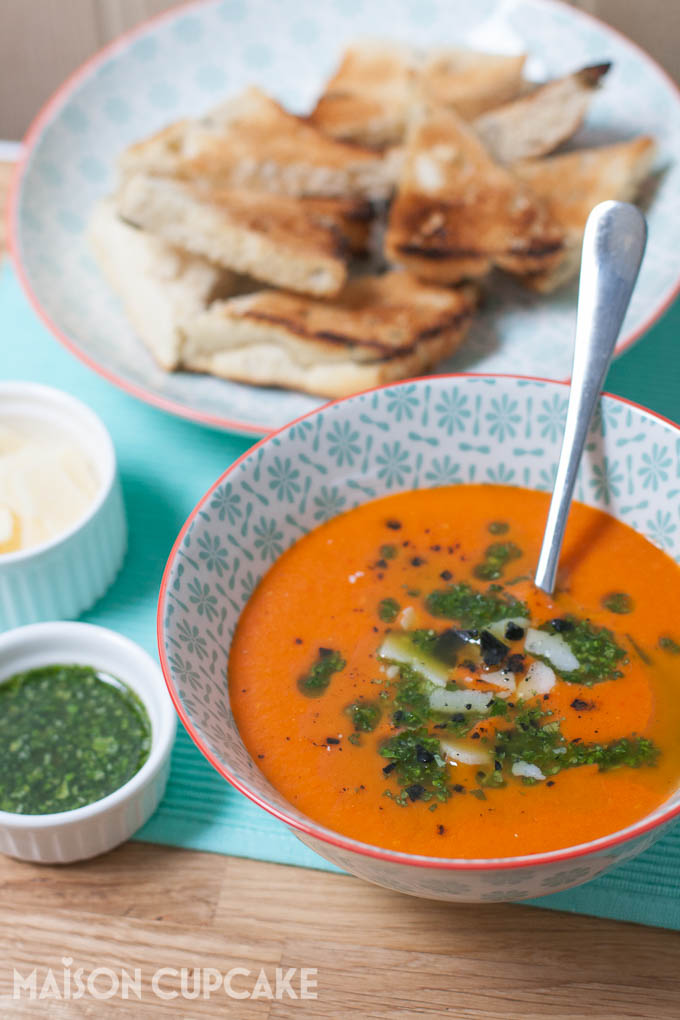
[{"x": 186, "y": 60}]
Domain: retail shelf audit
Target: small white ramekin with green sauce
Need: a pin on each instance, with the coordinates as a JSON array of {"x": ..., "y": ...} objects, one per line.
[{"x": 88, "y": 761}]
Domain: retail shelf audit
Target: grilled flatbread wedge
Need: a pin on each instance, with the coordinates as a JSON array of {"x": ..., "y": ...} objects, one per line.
[
  {"x": 470, "y": 82},
  {"x": 458, "y": 213},
  {"x": 160, "y": 286},
  {"x": 353, "y": 218},
  {"x": 573, "y": 183},
  {"x": 275, "y": 238},
  {"x": 537, "y": 123},
  {"x": 381, "y": 328},
  {"x": 250, "y": 141},
  {"x": 368, "y": 99}
]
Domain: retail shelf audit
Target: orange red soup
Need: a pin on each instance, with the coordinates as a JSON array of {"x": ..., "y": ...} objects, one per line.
[{"x": 399, "y": 679}]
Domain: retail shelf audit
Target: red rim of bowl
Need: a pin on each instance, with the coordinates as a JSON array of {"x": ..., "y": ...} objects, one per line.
[
  {"x": 58, "y": 99},
  {"x": 318, "y": 831}
]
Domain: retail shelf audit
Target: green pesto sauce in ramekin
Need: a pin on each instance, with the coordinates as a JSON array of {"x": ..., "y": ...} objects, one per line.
[{"x": 69, "y": 735}]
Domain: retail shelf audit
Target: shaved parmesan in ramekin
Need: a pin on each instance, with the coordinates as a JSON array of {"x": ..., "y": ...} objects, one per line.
[
  {"x": 526, "y": 770},
  {"x": 460, "y": 701},
  {"x": 540, "y": 679},
  {"x": 553, "y": 647},
  {"x": 464, "y": 752}
]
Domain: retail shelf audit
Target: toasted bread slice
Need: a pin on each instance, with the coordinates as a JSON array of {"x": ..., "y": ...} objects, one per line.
[
  {"x": 573, "y": 183},
  {"x": 160, "y": 286},
  {"x": 160, "y": 153},
  {"x": 367, "y": 99},
  {"x": 252, "y": 142},
  {"x": 470, "y": 82},
  {"x": 457, "y": 212},
  {"x": 380, "y": 328},
  {"x": 353, "y": 218},
  {"x": 275, "y": 238},
  {"x": 537, "y": 123}
]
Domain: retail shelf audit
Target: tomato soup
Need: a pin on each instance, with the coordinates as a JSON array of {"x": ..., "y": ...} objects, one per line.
[{"x": 399, "y": 679}]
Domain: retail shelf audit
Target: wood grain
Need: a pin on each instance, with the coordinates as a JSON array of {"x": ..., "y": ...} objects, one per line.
[{"x": 378, "y": 954}]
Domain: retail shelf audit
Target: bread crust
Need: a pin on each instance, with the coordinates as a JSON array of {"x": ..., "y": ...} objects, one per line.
[
  {"x": 572, "y": 183},
  {"x": 457, "y": 213},
  {"x": 537, "y": 123},
  {"x": 274, "y": 238},
  {"x": 380, "y": 328}
]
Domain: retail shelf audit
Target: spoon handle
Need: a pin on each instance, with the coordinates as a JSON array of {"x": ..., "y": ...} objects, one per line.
[{"x": 613, "y": 245}]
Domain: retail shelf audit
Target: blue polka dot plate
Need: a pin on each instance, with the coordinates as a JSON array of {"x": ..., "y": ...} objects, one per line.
[{"x": 190, "y": 58}]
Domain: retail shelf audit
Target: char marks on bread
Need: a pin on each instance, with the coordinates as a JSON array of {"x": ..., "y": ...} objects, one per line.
[
  {"x": 540, "y": 121},
  {"x": 425, "y": 163},
  {"x": 572, "y": 183},
  {"x": 368, "y": 99},
  {"x": 250, "y": 141},
  {"x": 380, "y": 328},
  {"x": 457, "y": 213},
  {"x": 275, "y": 238}
]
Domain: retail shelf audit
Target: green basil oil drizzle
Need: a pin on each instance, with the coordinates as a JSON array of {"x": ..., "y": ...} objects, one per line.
[
  {"x": 388, "y": 610},
  {"x": 472, "y": 608},
  {"x": 595, "y": 648},
  {"x": 618, "y": 602},
  {"x": 68, "y": 737},
  {"x": 496, "y": 557},
  {"x": 365, "y": 715},
  {"x": 415, "y": 764},
  {"x": 319, "y": 676}
]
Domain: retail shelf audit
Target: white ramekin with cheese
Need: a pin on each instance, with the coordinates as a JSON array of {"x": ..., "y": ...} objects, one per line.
[{"x": 62, "y": 521}]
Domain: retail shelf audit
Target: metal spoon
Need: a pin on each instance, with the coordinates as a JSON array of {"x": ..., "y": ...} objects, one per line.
[{"x": 613, "y": 245}]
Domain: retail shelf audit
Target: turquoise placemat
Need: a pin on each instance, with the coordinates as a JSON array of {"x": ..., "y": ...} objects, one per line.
[{"x": 166, "y": 465}]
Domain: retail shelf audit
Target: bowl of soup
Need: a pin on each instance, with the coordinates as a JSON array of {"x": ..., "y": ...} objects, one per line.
[{"x": 350, "y": 633}]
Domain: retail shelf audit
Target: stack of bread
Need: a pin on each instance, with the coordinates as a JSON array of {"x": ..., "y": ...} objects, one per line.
[{"x": 338, "y": 251}]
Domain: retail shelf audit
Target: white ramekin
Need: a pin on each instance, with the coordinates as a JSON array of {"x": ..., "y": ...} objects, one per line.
[
  {"x": 95, "y": 828},
  {"x": 62, "y": 578}
]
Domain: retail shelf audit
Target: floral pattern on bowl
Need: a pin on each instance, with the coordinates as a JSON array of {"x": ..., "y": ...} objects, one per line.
[
  {"x": 439, "y": 431},
  {"x": 187, "y": 60}
]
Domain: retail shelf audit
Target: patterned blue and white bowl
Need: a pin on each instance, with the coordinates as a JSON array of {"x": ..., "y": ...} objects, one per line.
[{"x": 425, "y": 433}]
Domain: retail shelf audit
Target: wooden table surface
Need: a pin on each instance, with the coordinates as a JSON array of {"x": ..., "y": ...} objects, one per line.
[{"x": 378, "y": 954}]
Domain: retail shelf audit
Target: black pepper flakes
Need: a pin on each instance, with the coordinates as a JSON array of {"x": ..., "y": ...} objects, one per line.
[
  {"x": 393, "y": 524},
  {"x": 579, "y": 705},
  {"x": 493, "y": 650},
  {"x": 446, "y": 575},
  {"x": 415, "y": 791}
]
